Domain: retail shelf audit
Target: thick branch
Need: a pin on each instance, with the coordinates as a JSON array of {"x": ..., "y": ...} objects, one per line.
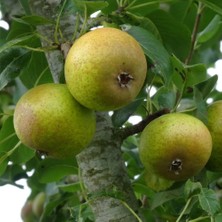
[{"x": 137, "y": 128}]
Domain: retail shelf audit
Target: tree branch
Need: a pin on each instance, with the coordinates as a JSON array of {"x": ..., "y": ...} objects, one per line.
[
  {"x": 123, "y": 133},
  {"x": 194, "y": 33}
]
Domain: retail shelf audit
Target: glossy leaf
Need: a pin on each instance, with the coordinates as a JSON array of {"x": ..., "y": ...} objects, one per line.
[{"x": 154, "y": 50}]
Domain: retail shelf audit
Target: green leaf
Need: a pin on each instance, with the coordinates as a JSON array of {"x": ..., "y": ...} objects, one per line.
[
  {"x": 120, "y": 116},
  {"x": 201, "y": 108},
  {"x": 195, "y": 74},
  {"x": 143, "y": 189},
  {"x": 179, "y": 73},
  {"x": 3, "y": 166},
  {"x": 154, "y": 50},
  {"x": 51, "y": 170},
  {"x": 111, "y": 7},
  {"x": 210, "y": 30},
  {"x": 8, "y": 138},
  {"x": 162, "y": 197},
  {"x": 144, "y": 7},
  {"x": 91, "y": 6},
  {"x": 13, "y": 69},
  {"x": 34, "y": 20},
  {"x": 165, "y": 98},
  {"x": 175, "y": 35},
  {"x": 209, "y": 201},
  {"x": 145, "y": 23},
  {"x": 71, "y": 188},
  {"x": 192, "y": 188},
  {"x": 17, "y": 42},
  {"x": 25, "y": 5},
  {"x": 207, "y": 86},
  {"x": 22, "y": 154},
  {"x": 19, "y": 29},
  {"x": 36, "y": 72},
  {"x": 215, "y": 5}
]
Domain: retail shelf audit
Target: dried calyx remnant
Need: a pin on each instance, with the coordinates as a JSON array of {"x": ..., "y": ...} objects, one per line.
[
  {"x": 124, "y": 79},
  {"x": 176, "y": 166}
]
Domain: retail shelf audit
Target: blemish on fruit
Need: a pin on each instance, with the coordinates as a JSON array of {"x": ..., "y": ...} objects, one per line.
[
  {"x": 124, "y": 78},
  {"x": 176, "y": 166}
]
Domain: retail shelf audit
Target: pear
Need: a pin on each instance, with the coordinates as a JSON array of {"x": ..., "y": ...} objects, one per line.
[
  {"x": 215, "y": 128},
  {"x": 48, "y": 119},
  {"x": 26, "y": 212},
  {"x": 105, "y": 69},
  {"x": 175, "y": 146},
  {"x": 38, "y": 204}
]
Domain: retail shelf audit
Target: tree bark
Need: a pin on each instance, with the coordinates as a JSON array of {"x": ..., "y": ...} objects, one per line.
[
  {"x": 104, "y": 175},
  {"x": 50, "y": 9},
  {"x": 101, "y": 165}
]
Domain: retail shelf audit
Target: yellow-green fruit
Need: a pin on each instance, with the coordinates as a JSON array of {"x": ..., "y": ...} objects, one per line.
[
  {"x": 175, "y": 146},
  {"x": 105, "y": 69},
  {"x": 155, "y": 182},
  {"x": 215, "y": 128},
  {"x": 38, "y": 204},
  {"x": 26, "y": 212},
  {"x": 48, "y": 119}
]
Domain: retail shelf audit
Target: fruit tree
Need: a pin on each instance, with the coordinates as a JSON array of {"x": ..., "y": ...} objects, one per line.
[{"x": 108, "y": 111}]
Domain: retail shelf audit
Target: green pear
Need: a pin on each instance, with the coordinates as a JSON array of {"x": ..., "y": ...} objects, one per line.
[
  {"x": 26, "y": 212},
  {"x": 38, "y": 204},
  {"x": 175, "y": 146},
  {"x": 156, "y": 182},
  {"x": 48, "y": 119},
  {"x": 215, "y": 128},
  {"x": 105, "y": 69}
]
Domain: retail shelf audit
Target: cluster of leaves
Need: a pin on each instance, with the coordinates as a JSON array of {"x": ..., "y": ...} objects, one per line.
[{"x": 166, "y": 31}]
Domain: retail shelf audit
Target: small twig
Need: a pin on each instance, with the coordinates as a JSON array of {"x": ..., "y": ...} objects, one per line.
[
  {"x": 137, "y": 128},
  {"x": 184, "y": 209},
  {"x": 194, "y": 33}
]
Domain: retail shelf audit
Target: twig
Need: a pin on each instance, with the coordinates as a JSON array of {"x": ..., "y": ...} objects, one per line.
[
  {"x": 194, "y": 33},
  {"x": 137, "y": 128}
]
